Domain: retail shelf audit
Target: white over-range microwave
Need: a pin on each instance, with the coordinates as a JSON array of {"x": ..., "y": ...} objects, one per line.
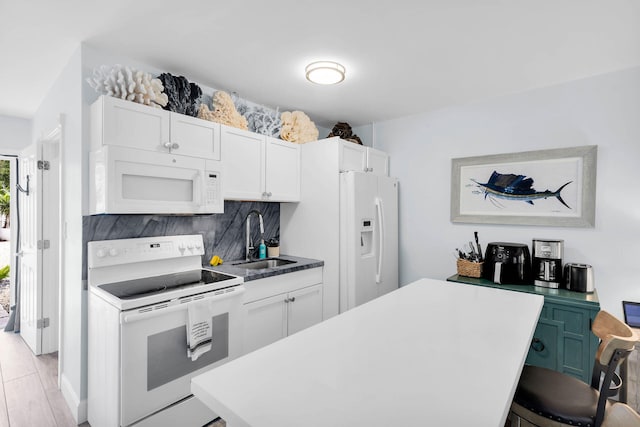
[{"x": 131, "y": 181}]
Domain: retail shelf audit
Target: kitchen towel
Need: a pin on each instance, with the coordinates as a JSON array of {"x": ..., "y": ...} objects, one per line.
[{"x": 199, "y": 333}]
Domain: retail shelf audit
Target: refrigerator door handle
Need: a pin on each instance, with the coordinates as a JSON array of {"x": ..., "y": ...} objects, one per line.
[{"x": 380, "y": 239}]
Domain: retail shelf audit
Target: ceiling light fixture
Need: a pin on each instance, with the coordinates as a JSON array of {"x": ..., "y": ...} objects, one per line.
[{"x": 325, "y": 72}]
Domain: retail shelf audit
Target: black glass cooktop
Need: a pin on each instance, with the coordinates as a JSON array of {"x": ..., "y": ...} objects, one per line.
[{"x": 147, "y": 286}]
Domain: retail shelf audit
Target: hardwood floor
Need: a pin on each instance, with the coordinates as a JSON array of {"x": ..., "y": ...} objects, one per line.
[{"x": 29, "y": 394}]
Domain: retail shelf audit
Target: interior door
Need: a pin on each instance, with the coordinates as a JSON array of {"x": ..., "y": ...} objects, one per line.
[
  {"x": 30, "y": 256},
  {"x": 49, "y": 214}
]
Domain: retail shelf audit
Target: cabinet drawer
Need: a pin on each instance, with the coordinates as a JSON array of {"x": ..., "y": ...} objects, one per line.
[{"x": 283, "y": 283}]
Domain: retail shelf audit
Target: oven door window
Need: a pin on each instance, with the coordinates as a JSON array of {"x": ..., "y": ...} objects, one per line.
[
  {"x": 156, "y": 371},
  {"x": 167, "y": 356}
]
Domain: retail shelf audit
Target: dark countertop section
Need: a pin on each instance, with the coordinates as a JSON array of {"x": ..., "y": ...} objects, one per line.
[
  {"x": 251, "y": 274},
  {"x": 558, "y": 295}
]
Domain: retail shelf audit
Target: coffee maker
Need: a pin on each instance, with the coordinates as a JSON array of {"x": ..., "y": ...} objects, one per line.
[{"x": 547, "y": 263}]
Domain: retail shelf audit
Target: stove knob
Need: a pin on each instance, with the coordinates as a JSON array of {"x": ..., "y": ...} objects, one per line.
[
  {"x": 190, "y": 246},
  {"x": 100, "y": 253},
  {"x": 113, "y": 252}
]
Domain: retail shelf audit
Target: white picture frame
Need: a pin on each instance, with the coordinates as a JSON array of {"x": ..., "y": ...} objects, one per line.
[{"x": 554, "y": 187}]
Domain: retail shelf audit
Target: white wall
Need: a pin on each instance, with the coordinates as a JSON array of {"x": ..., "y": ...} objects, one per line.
[
  {"x": 601, "y": 111},
  {"x": 15, "y": 134},
  {"x": 64, "y": 98}
]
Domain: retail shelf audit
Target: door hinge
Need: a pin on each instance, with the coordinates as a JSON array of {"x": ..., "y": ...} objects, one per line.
[
  {"x": 43, "y": 323},
  {"x": 44, "y": 244},
  {"x": 43, "y": 164}
]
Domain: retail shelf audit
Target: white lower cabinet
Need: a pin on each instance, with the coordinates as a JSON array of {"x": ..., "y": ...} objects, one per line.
[
  {"x": 266, "y": 322},
  {"x": 304, "y": 308},
  {"x": 280, "y": 306}
]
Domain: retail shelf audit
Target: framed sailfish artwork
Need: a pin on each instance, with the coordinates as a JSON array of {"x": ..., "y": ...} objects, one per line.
[{"x": 547, "y": 187}]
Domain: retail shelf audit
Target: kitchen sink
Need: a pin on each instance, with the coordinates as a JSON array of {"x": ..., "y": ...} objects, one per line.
[{"x": 265, "y": 263}]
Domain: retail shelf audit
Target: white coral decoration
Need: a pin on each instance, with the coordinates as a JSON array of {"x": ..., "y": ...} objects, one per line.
[
  {"x": 260, "y": 119},
  {"x": 224, "y": 112},
  {"x": 297, "y": 127},
  {"x": 125, "y": 83}
]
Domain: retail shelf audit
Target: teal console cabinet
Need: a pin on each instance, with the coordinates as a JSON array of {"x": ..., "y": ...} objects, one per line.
[{"x": 563, "y": 340}]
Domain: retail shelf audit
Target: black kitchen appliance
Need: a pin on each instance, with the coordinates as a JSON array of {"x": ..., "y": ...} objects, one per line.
[
  {"x": 507, "y": 263},
  {"x": 547, "y": 262}
]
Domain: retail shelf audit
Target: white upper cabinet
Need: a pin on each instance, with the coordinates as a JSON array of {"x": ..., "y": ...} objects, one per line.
[
  {"x": 377, "y": 162},
  {"x": 259, "y": 167},
  {"x": 128, "y": 124},
  {"x": 356, "y": 157},
  {"x": 243, "y": 156},
  {"x": 353, "y": 157},
  {"x": 282, "y": 180},
  {"x": 191, "y": 136}
]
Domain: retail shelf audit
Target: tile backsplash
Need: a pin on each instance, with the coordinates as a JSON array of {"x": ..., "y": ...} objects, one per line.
[{"x": 223, "y": 234}]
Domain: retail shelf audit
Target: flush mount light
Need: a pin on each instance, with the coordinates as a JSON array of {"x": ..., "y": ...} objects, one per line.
[{"x": 325, "y": 72}]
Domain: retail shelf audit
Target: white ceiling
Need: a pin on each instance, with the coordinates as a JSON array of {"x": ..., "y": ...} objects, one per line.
[{"x": 402, "y": 56}]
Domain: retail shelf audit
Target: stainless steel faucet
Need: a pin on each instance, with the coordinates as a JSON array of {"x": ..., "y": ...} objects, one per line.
[{"x": 249, "y": 244}]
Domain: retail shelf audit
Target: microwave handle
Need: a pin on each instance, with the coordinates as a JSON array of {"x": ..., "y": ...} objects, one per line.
[
  {"x": 198, "y": 188},
  {"x": 236, "y": 291}
]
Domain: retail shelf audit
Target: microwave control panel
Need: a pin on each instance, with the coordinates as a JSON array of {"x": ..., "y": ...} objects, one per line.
[{"x": 213, "y": 191}]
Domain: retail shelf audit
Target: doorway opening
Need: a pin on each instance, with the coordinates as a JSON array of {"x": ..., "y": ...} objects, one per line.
[{"x": 6, "y": 253}]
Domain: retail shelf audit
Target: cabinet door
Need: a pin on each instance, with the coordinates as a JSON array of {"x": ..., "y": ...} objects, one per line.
[
  {"x": 195, "y": 137},
  {"x": 304, "y": 308},
  {"x": 243, "y": 158},
  {"x": 282, "y": 171},
  {"x": 377, "y": 162},
  {"x": 546, "y": 346},
  {"x": 577, "y": 357},
  {"x": 133, "y": 125},
  {"x": 265, "y": 322},
  {"x": 353, "y": 157}
]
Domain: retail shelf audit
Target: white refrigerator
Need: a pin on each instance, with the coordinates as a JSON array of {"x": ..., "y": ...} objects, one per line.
[
  {"x": 313, "y": 228},
  {"x": 368, "y": 237}
]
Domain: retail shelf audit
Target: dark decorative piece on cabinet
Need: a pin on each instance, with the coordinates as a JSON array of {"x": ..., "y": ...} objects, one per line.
[
  {"x": 183, "y": 96},
  {"x": 343, "y": 130}
]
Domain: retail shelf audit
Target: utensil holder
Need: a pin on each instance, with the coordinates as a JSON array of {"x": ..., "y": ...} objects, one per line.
[{"x": 469, "y": 268}]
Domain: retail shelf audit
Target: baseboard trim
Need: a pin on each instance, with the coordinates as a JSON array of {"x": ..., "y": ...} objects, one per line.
[{"x": 77, "y": 407}]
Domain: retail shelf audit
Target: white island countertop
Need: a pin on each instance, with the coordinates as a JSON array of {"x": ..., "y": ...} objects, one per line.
[{"x": 431, "y": 353}]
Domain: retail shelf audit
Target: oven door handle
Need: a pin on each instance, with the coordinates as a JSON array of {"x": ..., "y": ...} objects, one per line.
[{"x": 234, "y": 292}]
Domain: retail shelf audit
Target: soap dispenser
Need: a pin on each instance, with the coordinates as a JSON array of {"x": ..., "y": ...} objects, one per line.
[{"x": 262, "y": 251}]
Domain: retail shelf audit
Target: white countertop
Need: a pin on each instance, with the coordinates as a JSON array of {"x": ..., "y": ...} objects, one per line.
[{"x": 430, "y": 353}]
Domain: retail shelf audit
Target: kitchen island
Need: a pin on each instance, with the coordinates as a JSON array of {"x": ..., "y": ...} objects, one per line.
[{"x": 429, "y": 353}]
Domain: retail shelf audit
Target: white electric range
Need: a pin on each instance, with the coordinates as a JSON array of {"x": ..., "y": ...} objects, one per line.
[{"x": 141, "y": 294}]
